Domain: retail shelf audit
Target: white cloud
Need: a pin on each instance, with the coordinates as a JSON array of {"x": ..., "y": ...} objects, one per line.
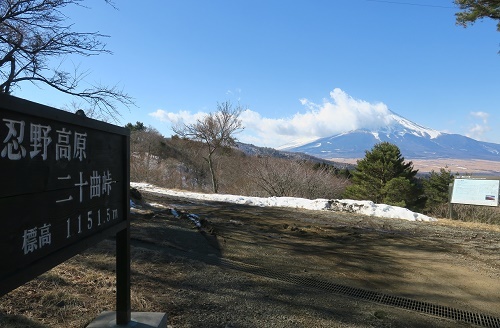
[
  {"x": 232, "y": 92},
  {"x": 482, "y": 115},
  {"x": 177, "y": 118},
  {"x": 478, "y": 130},
  {"x": 340, "y": 113}
]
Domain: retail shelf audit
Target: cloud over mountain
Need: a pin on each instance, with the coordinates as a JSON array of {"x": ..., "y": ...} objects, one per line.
[
  {"x": 339, "y": 113},
  {"x": 414, "y": 141},
  {"x": 344, "y": 127}
]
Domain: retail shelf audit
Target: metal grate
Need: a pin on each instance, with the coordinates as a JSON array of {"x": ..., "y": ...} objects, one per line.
[
  {"x": 395, "y": 301},
  {"x": 475, "y": 318}
]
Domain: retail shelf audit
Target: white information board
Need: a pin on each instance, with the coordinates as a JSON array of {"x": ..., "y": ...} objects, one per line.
[{"x": 475, "y": 191}]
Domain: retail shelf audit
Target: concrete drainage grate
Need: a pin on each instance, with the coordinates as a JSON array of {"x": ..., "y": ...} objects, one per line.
[{"x": 395, "y": 301}]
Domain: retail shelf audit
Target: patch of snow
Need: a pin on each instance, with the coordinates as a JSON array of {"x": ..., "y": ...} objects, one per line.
[
  {"x": 344, "y": 205},
  {"x": 297, "y": 143},
  {"x": 491, "y": 150},
  {"x": 415, "y": 129},
  {"x": 156, "y": 205}
]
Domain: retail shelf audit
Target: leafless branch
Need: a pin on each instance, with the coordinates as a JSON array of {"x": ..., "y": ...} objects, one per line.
[{"x": 34, "y": 31}]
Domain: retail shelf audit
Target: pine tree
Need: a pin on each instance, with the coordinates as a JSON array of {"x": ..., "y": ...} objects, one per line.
[
  {"x": 383, "y": 176},
  {"x": 436, "y": 188}
]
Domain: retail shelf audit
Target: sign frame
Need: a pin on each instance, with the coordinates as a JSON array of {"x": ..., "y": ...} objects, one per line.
[
  {"x": 476, "y": 190},
  {"x": 112, "y": 138}
]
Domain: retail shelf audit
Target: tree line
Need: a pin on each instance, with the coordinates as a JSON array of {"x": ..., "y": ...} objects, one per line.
[
  {"x": 182, "y": 163},
  {"x": 382, "y": 176}
]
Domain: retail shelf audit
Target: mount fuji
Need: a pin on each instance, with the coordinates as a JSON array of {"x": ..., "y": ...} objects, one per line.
[{"x": 413, "y": 140}]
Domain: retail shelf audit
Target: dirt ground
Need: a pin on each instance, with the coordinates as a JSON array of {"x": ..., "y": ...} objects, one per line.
[{"x": 252, "y": 267}]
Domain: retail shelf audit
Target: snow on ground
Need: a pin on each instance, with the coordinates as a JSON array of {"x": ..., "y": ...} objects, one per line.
[{"x": 344, "y": 205}]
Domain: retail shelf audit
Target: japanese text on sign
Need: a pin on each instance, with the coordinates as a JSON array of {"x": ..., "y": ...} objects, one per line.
[
  {"x": 69, "y": 144},
  {"x": 64, "y": 186}
]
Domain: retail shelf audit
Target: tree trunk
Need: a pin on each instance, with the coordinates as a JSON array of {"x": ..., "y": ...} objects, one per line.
[{"x": 212, "y": 174}]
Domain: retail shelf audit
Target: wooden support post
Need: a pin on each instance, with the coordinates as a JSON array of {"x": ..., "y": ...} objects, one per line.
[
  {"x": 123, "y": 316},
  {"x": 123, "y": 312},
  {"x": 450, "y": 206}
]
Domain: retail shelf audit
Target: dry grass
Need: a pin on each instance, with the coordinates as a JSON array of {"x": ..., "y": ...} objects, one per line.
[
  {"x": 75, "y": 292},
  {"x": 66, "y": 296},
  {"x": 469, "y": 213},
  {"x": 168, "y": 275},
  {"x": 468, "y": 224}
]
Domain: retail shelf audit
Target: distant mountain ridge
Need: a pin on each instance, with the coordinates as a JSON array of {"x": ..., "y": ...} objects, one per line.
[
  {"x": 253, "y": 150},
  {"x": 414, "y": 141}
]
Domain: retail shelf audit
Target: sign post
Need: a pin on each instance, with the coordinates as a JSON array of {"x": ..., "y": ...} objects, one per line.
[
  {"x": 65, "y": 187},
  {"x": 123, "y": 314}
]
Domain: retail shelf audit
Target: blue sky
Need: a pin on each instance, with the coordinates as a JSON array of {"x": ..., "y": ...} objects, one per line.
[{"x": 302, "y": 68}]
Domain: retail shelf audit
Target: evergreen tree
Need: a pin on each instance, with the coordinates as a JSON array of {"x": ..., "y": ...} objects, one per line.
[
  {"x": 436, "y": 188},
  {"x": 138, "y": 126},
  {"x": 383, "y": 176},
  {"x": 472, "y": 10},
  {"x": 399, "y": 192}
]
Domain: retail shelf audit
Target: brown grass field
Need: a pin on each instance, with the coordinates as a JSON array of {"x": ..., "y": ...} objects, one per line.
[{"x": 462, "y": 167}]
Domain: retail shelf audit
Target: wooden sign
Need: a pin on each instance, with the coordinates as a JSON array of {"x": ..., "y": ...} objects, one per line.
[{"x": 64, "y": 187}]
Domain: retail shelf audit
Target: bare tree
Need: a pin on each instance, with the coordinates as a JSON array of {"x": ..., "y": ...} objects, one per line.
[
  {"x": 215, "y": 131},
  {"x": 146, "y": 154},
  {"x": 289, "y": 178},
  {"x": 34, "y": 31}
]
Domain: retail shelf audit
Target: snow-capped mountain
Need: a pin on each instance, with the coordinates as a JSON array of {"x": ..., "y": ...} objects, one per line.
[{"x": 414, "y": 141}]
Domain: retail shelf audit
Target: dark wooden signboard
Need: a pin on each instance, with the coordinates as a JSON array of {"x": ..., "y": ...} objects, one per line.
[{"x": 64, "y": 187}]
